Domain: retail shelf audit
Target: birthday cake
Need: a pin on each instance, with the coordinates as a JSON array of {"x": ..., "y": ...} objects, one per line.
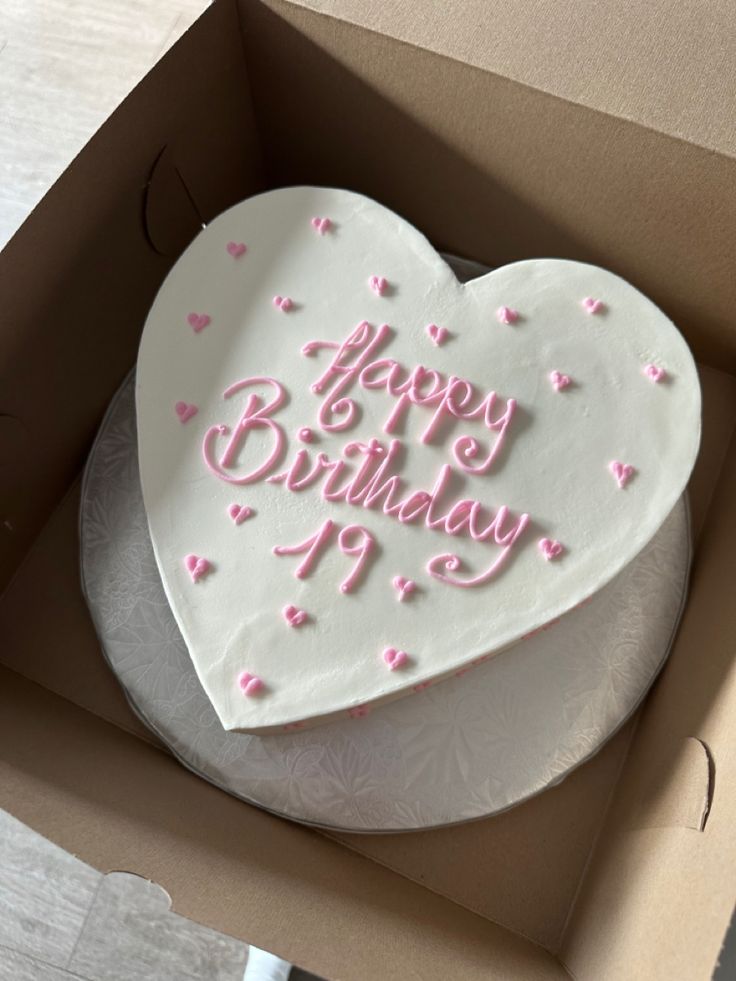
[{"x": 362, "y": 477}]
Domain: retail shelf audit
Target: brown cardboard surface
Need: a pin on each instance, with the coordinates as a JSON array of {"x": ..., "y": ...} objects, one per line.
[
  {"x": 657, "y": 896},
  {"x": 488, "y": 168},
  {"x": 493, "y": 169},
  {"x": 667, "y": 64},
  {"x": 60, "y": 649},
  {"x": 119, "y": 803},
  {"x": 87, "y": 244}
]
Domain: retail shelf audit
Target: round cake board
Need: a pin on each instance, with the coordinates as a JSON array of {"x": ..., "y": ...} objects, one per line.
[{"x": 464, "y": 749}]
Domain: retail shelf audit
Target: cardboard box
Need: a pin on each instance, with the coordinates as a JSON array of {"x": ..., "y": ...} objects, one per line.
[{"x": 503, "y": 131}]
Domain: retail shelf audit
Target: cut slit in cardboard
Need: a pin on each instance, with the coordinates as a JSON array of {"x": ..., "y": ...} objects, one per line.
[{"x": 631, "y": 860}]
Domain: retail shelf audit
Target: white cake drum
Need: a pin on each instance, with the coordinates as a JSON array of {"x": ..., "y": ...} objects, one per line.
[
  {"x": 464, "y": 749},
  {"x": 362, "y": 476}
]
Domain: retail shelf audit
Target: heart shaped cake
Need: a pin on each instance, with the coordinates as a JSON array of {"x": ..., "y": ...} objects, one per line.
[{"x": 362, "y": 476}]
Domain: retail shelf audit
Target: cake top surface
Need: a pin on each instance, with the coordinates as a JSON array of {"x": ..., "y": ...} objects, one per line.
[{"x": 361, "y": 476}]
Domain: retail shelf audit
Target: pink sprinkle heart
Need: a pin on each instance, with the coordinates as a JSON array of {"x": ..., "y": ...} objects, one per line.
[
  {"x": 378, "y": 284},
  {"x": 249, "y": 684},
  {"x": 197, "y": 566},
  {"x": 322, "y": 225},
  {"x": 623, "y": 472},
  {"x": 550, "y": 548},
  {"x": 283, "y": 303},
  {"x": 654, "y": 372},
  {"x": 236, "y": 249},
  {"x": 422, "y": 686},
  {"x": 239, "y": 513},
  {"x": 198, "y": 321},
  {"x": 559, "y": 381},
  {"x": 405, "y": 587},
  {"x": 395, "y": 659},
  {"x": 506, "y": 315},
  {"x": 591, "y": 305},
  {"x": 294, "y": 616},
  {"x": 185, "y": 410},
  {"x": 438, "y": 334}
]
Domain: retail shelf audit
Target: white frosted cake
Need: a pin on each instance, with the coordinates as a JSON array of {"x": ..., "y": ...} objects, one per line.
[{"x": 362, "y": 476}]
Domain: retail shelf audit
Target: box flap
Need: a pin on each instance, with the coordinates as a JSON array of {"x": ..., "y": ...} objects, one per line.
[
  {"x": 656, "y": 894},
  {"x": 667, "y": 65},
  {"x": 79, "y": 276}
]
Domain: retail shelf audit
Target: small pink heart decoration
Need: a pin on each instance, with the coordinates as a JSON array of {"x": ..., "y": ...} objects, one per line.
[
  {"x": 284, "y": 303},
  {"x": 236, "y": 249},
  {"x": 623, "y": 472},
  {"x": 422, "y": 686},
  {"x": 395, "y": 659},
  {"x": 559, "y": 381},
  {"x": 506, "y": 315},
  {"x": 185, "y": 411},
  {"x": 239, "y": 513},
  {"x": 378, "y": 284},
  {"x": 591, "y": 305},
  {"x": 198, "y": 321},
  {"x": 404, "y": 587},
  {"x": 438, "y": 335},
  {"x": 550, "y": 548},
  {"x": 249, "y": 684},
  {"x": 294, "y": 616},
  {"x": 322, "y": 225},
  {"x": 197, "y": 566},
  {"x": 654, "y": 372}
]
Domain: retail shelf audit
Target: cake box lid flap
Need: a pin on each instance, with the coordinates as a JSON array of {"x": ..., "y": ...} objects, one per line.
[{"x": 663, "y": 64}]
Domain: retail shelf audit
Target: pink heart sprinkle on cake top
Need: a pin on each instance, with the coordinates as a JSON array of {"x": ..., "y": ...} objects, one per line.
[
  {"x": 294, "y": 616},
  {"x": 249, "y": 684},
  {"x": 185, "y": 411},
  {"x": 322, "y": 225},
  {"x": 550, "y": 548},
  {"x": 198, "y": 321},
  {"x": 654, "y": 372},
  {"x": 404, "y": 587},
  {"x": 438, "y": 335},
  {"x": 236, "y": 249},
  {"x": 378, "y": 284},
  {"x": 507, "y": 315},
  {"x": 197, "y": 566},
  {"x": 591, "y": 305},
  {"x": 559, "y": 381},
  {"x": 395, "y": 659},
  {"x": 239, "y": 513},
  {"x": 623, "y": 472},
  {"x": 284, "y": 303}
]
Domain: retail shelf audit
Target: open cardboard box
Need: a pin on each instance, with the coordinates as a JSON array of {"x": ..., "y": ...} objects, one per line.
[{"x": 503, "y": 131}]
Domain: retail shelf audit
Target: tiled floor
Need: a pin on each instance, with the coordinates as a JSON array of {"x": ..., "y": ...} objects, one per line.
[{"x": 61, "y": 920}]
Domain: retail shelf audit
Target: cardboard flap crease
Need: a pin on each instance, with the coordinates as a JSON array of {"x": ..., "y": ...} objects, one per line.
[{"x": 584, "y": 137}]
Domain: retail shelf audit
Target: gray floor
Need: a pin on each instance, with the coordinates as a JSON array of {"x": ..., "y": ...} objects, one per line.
[{"x": 61, "y": 920}]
